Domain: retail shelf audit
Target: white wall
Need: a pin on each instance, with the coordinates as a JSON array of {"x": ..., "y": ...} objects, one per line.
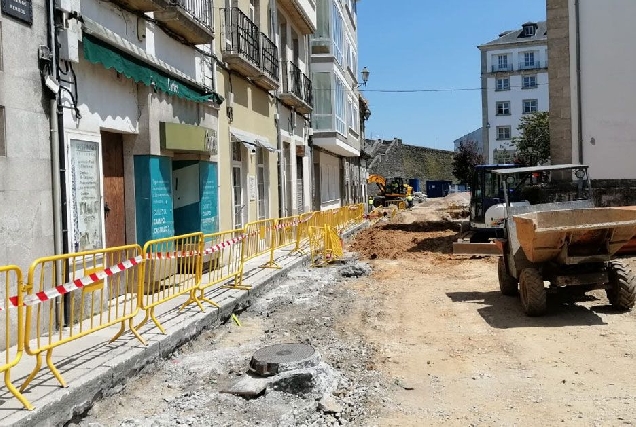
[{"x": 608, "y": 93}]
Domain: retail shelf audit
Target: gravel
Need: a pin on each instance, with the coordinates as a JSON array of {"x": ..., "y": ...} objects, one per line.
[{"x": 187, "y": 389}]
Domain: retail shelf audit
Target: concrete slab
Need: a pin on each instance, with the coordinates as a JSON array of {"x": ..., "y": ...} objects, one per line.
[{"x": 93, "y": 367}]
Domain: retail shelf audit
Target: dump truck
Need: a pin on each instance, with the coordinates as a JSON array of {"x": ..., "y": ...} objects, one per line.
[
  {"x": 394, "y": 192},
  {"x": 569, "y": 244}
]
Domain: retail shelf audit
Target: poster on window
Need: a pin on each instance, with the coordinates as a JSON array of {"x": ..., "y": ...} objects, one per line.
[
  {"x": 252, "y": 190},
  {"x": 86, "y": 195}
]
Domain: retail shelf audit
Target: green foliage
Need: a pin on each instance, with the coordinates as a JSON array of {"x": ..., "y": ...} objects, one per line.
[
  {"x": 533, "y": 146},
  {"x": 465, "y": 160}
]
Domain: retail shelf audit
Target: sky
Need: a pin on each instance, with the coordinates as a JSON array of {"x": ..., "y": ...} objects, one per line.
[{"x": 425, "y": 44}]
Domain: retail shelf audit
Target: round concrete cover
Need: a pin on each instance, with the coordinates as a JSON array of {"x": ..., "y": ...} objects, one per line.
[{"x": 278, "y": 358}]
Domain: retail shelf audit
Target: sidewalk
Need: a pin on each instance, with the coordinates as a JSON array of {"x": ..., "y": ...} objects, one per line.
[{"x": 93, "y": 368}]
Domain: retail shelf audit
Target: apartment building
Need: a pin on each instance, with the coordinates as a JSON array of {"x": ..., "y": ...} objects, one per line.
[
  {"x": 296, "y": 21},
  {"x": 336, "y": 115},
  {"x": 592, "y": 98},
  {"x": 514, "y": 81}
]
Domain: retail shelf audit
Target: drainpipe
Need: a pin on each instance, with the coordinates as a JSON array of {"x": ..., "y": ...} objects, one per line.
[
  {"x": 578, "y": 80},
  {"x": 58, "y": 164},
  {"x": 281, "y": 160}
]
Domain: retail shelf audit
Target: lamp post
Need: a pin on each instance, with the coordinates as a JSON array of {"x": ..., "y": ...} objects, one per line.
[{"x": 365, "y": 76}]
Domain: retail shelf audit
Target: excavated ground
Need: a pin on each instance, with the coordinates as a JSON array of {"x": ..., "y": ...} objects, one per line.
[{"x": 425, "y": 339}]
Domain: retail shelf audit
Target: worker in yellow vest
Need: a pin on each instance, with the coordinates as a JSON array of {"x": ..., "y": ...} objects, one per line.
[{"x": 409, "y": 199}]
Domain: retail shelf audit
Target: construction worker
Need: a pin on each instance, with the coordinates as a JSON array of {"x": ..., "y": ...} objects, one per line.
[
  {"x": 370, "y": 203},
  {"x": 409, "y": 199}
]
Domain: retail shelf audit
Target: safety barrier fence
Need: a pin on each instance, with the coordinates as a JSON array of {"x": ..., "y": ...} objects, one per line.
[{"x": 70, "y": 296}]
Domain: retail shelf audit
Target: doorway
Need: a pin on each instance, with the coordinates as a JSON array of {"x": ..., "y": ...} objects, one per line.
[{"x": 114, "y": 189}]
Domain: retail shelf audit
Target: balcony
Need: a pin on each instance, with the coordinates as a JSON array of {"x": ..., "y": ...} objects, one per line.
[
  {"x": 249, "y": 51},
  {"x": 190, "y": 19},
  {"x": 270, "y": 64},
  {"x": 501, "y": 68},
  {"x": 536, "y": 65},
  {"x": 302, "y": 14},
  {"x": 296, "y": 89}
]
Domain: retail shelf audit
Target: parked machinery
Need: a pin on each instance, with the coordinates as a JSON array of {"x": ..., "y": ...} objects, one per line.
[{"x": 393, "y": 192}]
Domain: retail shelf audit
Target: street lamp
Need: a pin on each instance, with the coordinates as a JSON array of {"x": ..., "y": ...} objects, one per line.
[{"x": 365, "y": 76}]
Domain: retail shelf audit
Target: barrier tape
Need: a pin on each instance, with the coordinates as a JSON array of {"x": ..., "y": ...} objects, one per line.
[{"x": 60, "y": 290}]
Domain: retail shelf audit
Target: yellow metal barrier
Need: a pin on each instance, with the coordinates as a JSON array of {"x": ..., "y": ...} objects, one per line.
[
  {"x": 11, "y": 276},
  {"x": 102, "y": 289},
  {"x": 260, "y": 235},
  {"x": 222, "y": 261},
  {"x": 172, "y": 269}
]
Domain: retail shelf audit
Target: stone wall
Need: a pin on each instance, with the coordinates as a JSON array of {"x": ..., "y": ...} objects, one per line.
[{"x": 409, "y": 161}]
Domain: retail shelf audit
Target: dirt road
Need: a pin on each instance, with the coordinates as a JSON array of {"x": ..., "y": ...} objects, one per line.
[{"x": 427, "y": 339}]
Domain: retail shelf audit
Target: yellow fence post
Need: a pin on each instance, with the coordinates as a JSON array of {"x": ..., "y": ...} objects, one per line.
[
  {"x": 273, "y": 243},
  {"x": 12, "y": 276}
]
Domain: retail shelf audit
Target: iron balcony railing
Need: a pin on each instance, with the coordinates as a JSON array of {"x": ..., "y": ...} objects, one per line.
[
  {"x": 532, "y": 65},
  {"x": 501, "y": 67},
  {"x": 309, "y": 97},
  {"x": 200, "y": 10},
  {"x": 270, "y": 64},
  {"x": 296, "y": 82},
  {"x": 242, "y": 35}
]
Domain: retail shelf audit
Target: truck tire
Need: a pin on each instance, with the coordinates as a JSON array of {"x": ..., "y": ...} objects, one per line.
[
  {"x": 507, "y": 284},
  {"x": 533, "y": 294},
  {"x": 622, "y": 291}
]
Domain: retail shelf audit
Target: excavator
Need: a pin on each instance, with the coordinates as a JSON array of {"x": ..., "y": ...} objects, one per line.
[{"x": 395, "y": 192}]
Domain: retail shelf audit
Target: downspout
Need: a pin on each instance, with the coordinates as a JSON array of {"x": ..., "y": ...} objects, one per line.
[
  {"x": 578, "y": 81},
  {"x": 281, "y": 153}
]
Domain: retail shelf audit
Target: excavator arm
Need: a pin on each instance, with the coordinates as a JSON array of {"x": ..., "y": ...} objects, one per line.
[{"x": 379, "y": 180}]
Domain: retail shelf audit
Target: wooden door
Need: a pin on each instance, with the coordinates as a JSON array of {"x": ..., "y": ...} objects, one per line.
[{"x": 114, "y": 200}]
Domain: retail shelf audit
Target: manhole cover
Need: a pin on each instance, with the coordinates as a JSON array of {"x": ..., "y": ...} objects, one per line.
[{"x": 278, "y": 358}]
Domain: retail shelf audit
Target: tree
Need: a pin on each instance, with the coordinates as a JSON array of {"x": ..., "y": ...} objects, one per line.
[
  {"x": 465, "y": 160},
  {"x": 533, "y": 145}
]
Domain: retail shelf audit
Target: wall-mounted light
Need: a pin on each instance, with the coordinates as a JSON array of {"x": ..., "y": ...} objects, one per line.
[{"x": 365, "y": 76}]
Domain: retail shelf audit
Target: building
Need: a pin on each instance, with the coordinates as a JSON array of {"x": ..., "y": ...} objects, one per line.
[
  {"x": 336, "y": 115},
  {"x": 26, "y": 202},
  {"x": 514, "y": 78},
  {"x": 476, "y": 136},
  {"x": 296, "y": 22},
  {"x": 592, "y": 112}
]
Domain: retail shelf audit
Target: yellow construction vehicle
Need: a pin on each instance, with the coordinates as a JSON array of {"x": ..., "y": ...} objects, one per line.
[{"x": 396, "y": 192}]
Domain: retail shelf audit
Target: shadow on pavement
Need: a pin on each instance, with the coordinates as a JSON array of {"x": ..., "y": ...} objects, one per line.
[{"x": 504, "y": 312}]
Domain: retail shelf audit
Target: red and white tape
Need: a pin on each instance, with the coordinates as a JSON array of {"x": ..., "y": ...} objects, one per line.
[{"x": 59, "y": 290}]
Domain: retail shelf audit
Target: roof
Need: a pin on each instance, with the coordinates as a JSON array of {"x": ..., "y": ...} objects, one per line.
[
  {"x": 517, "y": 36},
  {"x": 511, "y": 171}
]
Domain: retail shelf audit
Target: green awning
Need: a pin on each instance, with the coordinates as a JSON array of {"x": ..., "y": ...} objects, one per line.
[{"x": 99, "y": 52}]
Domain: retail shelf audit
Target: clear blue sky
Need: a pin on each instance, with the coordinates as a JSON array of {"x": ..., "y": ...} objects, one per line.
[{"x": 424, "y": 44}]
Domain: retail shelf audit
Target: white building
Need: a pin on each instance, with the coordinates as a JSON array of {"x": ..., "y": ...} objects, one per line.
[
  {"x": 336, "y": 115},
  {"x": 476, "y": 136},
  {"x": 514, "y": 75}
]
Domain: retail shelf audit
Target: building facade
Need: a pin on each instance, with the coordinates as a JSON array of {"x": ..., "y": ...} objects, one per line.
[
  {"x": 476, "y": 136},
  {"x": 514, "y": 81},
  {"x": 592, "y": 121},
  {"x": 26, "y": 202},
  {"x": 336, "y": 114},
  {"x": 296, "y": 21}
]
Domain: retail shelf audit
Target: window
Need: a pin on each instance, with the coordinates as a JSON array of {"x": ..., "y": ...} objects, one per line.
[
  {"x": 252, "y": 12},
  {"x": 528, "y": 59},
  {"x": 323, "y": 101},
  {"x": 503, "y": 84},
  {"x": 502, "y": 62},
  {"x": 530, "y": 106},
  {"x": 236, "y": 151},
  {"x": 237, "y": 193},
  {"x": 262, "y": 187},
  {"x": 504, "y": 156},
  {"x": 529, "y": 82},
  {"x": 341, "y": 112},
  {"x": 503, "y": 132},
  {"x": 528, "y": 30},
  {"x": 503, "y": 108},
  {"x": 338, "y": 35}
]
